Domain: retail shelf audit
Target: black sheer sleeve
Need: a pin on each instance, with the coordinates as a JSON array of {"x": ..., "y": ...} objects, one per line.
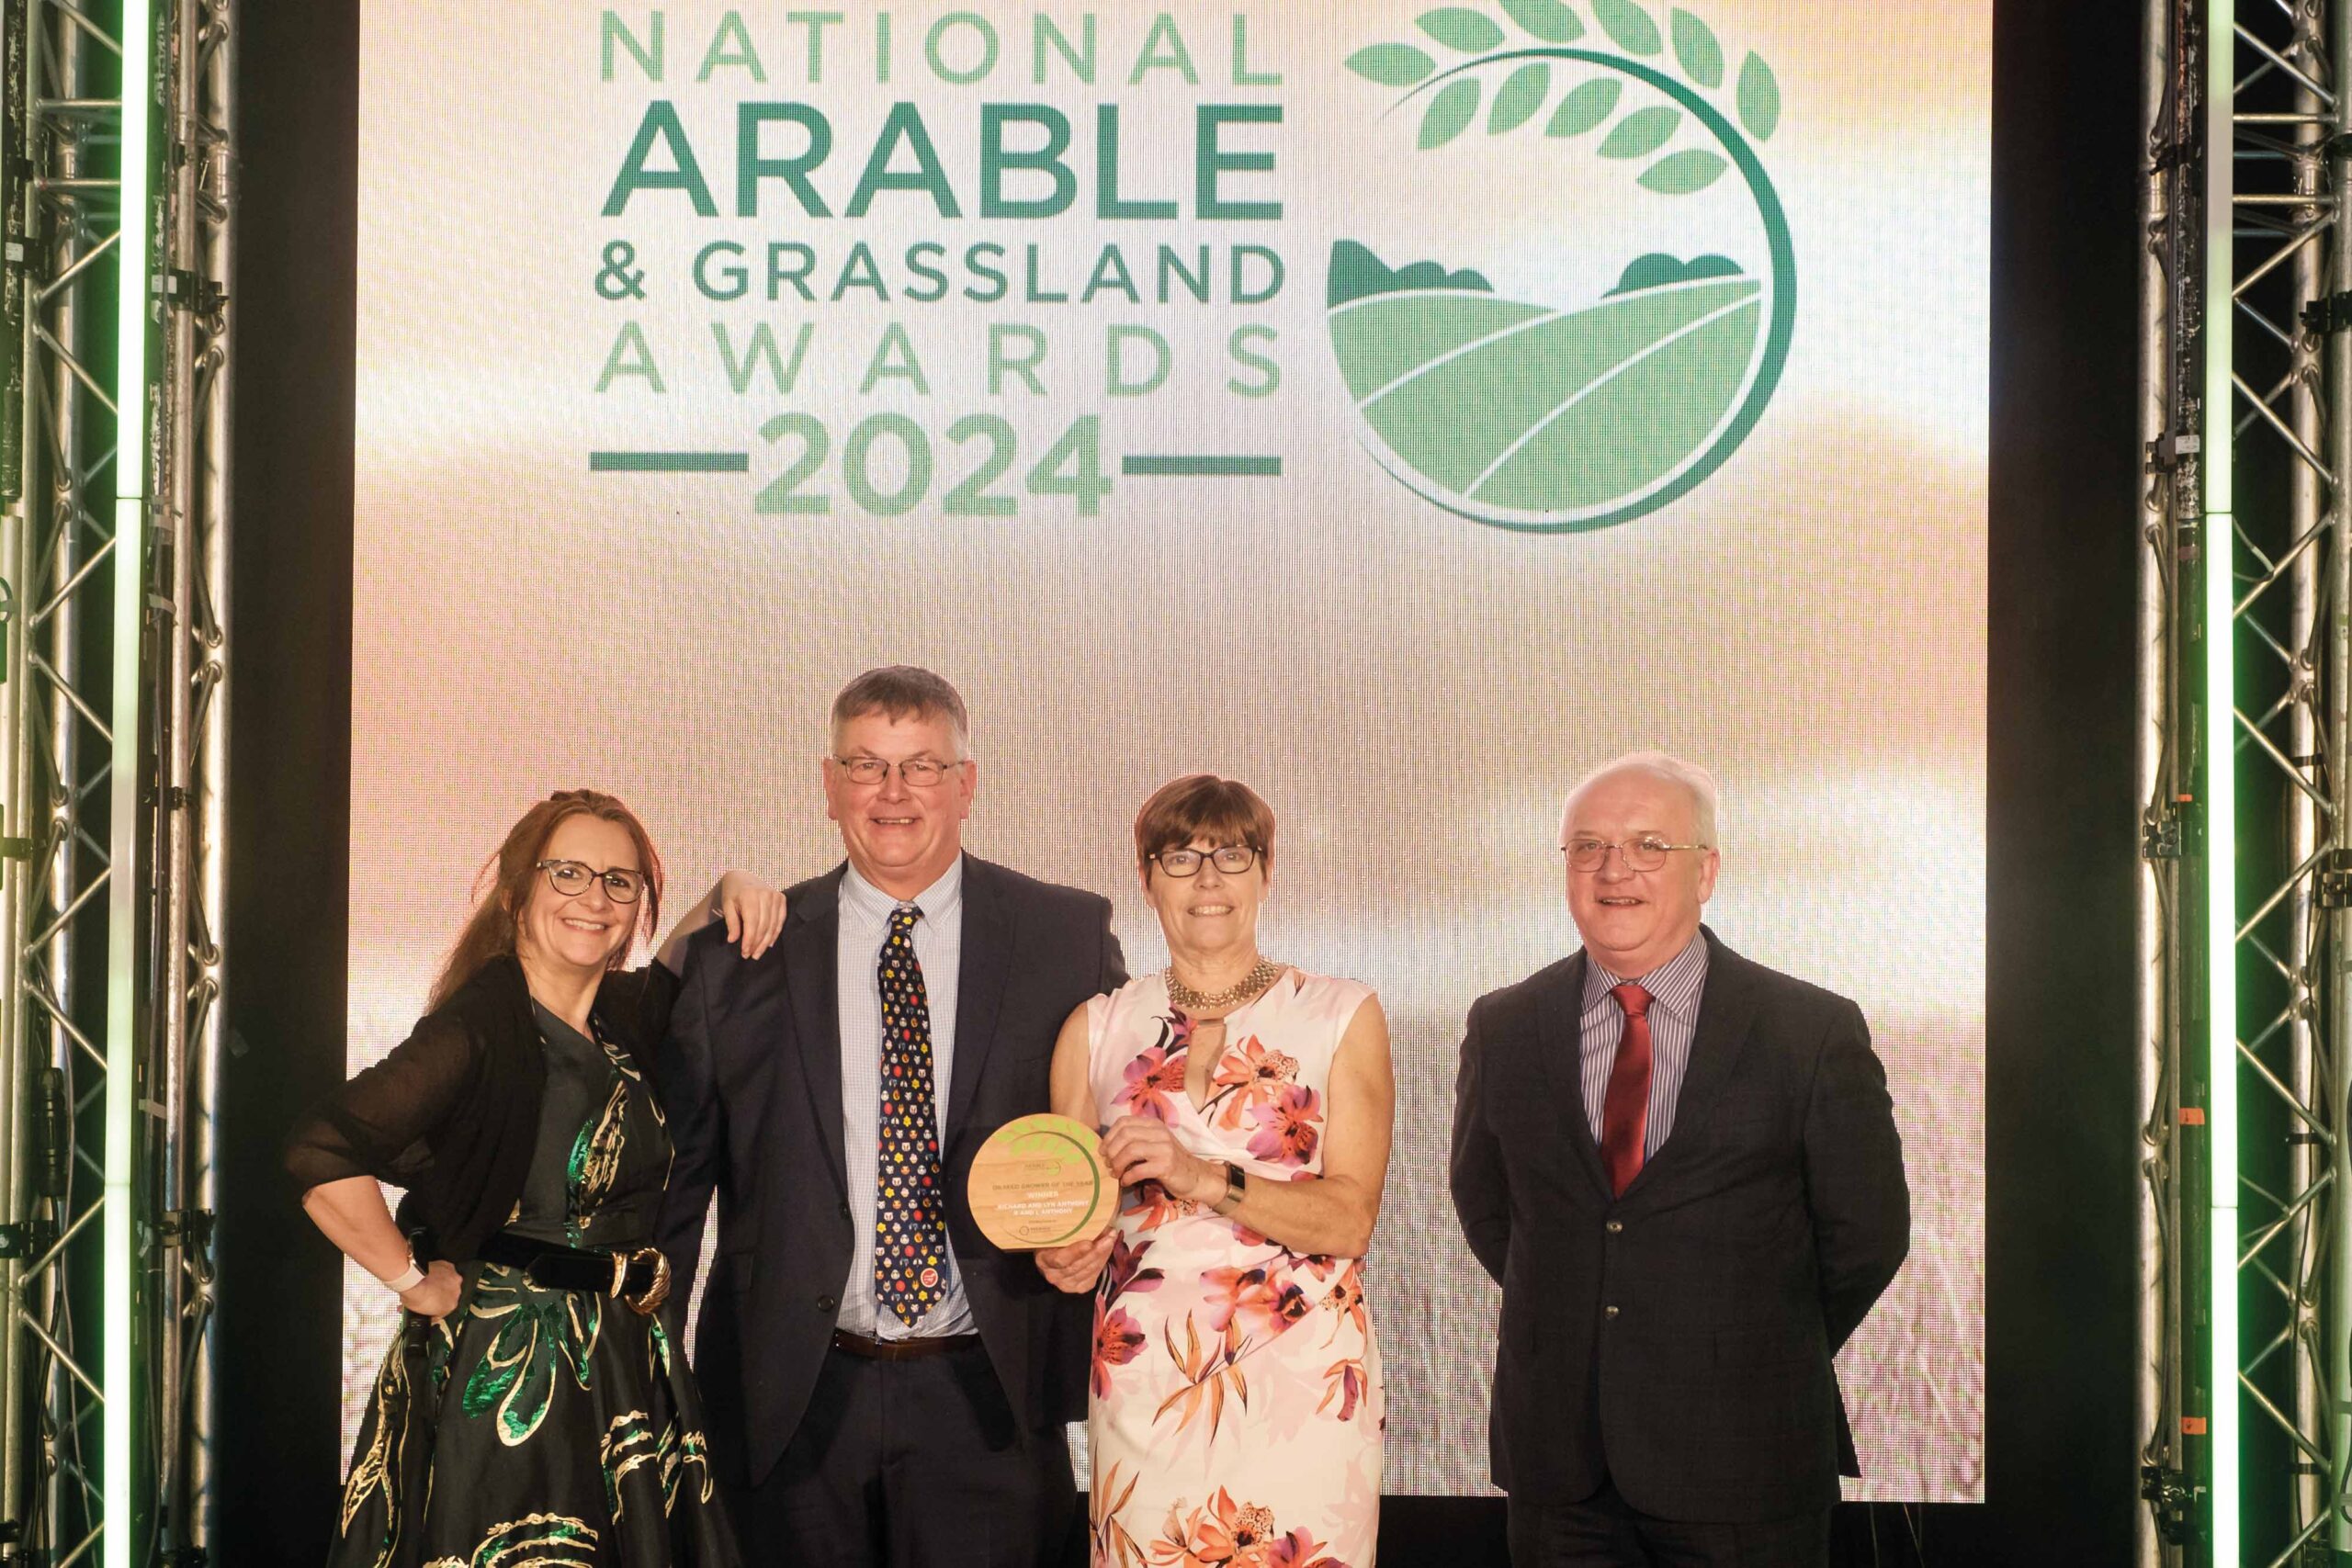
[
  {"x": 635, "y": 1004},
  {"x": 382, "y": 1123}
]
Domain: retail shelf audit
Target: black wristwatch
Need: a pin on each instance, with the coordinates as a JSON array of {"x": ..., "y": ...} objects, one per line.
[{"x": 1236, "y": 1187}]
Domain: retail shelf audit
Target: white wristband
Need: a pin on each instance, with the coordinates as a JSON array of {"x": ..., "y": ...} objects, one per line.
[{"x": 406, "y": 1280}]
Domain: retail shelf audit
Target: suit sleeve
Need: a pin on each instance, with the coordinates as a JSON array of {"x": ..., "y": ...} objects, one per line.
[
  {"x": 688, "y": 1086},
  {"x": 1114, "y": 960},
  {"x": 1859, "y": 1203},
  {"x": 1481, "y": 1188}
]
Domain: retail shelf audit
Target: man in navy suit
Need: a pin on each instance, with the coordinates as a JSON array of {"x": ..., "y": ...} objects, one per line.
[
  {"x": 883, "y": 1387},
  {"x": 1683, "y": 1169}
]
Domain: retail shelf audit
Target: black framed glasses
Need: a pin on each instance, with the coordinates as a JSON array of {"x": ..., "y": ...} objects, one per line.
[
  {"x": 1646, "y": 852},
  {"x": 918, "y": 773},
  {"x": 1230, "y": 859},
  {"x": 571, "y": 878}
]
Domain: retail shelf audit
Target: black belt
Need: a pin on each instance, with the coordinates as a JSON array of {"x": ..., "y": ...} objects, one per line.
[
  {"x": 901, "y": 1349},
  {"x": 638, "y": 1277}
]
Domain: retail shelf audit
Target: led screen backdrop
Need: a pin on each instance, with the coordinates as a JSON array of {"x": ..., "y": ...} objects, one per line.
[{"x": 1399, "y": 408}]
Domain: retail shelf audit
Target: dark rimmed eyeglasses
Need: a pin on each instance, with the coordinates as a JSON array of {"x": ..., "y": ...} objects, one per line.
[
  {"x": 918, "y": 773},
  {"x": 1230, "y": 859},
  {"x": 571, "y": 878},
  {"x": 1645, "y": 854}
]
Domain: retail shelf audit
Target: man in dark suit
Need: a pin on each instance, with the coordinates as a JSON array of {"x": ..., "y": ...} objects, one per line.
[
  {"x": 1682, "y": 1168},
  {"x": 882, "y": 1385}
]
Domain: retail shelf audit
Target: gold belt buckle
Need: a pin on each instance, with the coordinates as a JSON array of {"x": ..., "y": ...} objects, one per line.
[{"x": 646, "y": 1301}]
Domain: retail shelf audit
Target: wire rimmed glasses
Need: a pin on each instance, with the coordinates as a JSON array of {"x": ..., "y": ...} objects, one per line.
[
  {"x": 1230, "y": 859},
  {"x": 571, "y": 878},
  {"x": 1647, "y": 851}
]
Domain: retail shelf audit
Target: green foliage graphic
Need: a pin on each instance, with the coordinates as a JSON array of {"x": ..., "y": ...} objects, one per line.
[
  {"x": 1546, "y": 20},
  {"x": 1531, "y": 417},
  {"x": 1511, "y": 405}
]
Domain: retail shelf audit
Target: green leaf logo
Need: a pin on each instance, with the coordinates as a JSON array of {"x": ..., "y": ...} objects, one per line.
[
  {"x": 1680, "y": 174},
  {"x": 1450, "y": 113},
  {"x": 1629, "y": 25},
  {"x": 1586, "y": 107},
  {"x": 1457, "y": 28},
  {"x": 1546, "y": 20},
  {"x": 1759, "y": 99},
  {"x": 1641, "y": 133},
  {"x": 1522, "y": 94},
  {"x": 1391, "y": 64},
  {"x": 1695, "y": 46},
  {"x": 1569, "y": 416}
]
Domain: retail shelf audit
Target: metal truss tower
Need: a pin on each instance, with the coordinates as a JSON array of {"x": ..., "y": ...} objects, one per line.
[
  {"x": 2245, "y": 774},
  {"x": 116, "y": 198}
]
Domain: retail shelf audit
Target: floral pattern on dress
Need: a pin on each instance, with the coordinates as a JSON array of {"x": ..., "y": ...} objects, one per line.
[
  {"x": 1249, "y": 1078},
  {"x": 1290, "y": 1128},
  {"x": 1222, "y": 1533},
  {"x": 574, "y": 1428},
  {"x": 1155, "y": 1079},
  {"x": 1216, "y": 1348}
]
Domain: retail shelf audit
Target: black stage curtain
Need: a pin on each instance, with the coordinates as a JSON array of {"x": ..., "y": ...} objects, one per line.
[{"x": 2062, "y": 1156}]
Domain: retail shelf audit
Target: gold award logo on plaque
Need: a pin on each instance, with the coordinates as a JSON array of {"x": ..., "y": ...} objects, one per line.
[{"x": 1040, "y": 1182}]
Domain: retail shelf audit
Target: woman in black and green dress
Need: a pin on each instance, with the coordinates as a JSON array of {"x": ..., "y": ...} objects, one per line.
[{"x": 537, "y": 1405}]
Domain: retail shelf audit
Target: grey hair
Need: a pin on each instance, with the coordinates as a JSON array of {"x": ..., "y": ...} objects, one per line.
[
  {"x": 1696, "y": 780},
  {"x": 904, "y": 691}
]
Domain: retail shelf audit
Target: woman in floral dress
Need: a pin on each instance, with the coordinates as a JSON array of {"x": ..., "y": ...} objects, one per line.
[
  {"x": 536, "y": 1407},
  {"x": 1237, "y": 1411}
]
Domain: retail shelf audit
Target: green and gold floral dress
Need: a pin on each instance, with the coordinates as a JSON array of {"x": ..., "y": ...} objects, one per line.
[{"x": 557, "y": 1429}]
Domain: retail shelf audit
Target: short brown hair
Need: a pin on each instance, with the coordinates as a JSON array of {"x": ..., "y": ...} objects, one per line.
[
  {"x": 904, "y": 691},
  {"x": 1203, "y": 806}
]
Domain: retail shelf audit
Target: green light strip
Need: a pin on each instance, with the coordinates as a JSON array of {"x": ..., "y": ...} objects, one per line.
[
  {"x": 2221, "y": 792},
  {"x": 118, "y": 1481}
]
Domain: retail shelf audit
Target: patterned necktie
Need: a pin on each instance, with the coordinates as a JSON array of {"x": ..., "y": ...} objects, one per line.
[
  {"x": 1625, "y": 1110},
  {"x": 909, "y": 1227}
]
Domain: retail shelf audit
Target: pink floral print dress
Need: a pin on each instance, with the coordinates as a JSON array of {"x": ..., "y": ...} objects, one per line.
[{"x": 1236, "y": 1415}]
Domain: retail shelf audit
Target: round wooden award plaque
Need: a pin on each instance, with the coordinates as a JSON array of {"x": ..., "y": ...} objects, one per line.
[{"x": 1040, "y": 1182}]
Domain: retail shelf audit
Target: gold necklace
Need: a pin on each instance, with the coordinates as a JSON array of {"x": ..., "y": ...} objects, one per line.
[{"x": 1264, "y": 973}]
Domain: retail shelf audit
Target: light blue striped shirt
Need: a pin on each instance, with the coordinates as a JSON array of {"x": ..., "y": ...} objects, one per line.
[
  {"x": 939, "y": 948},
  {"x": 1675, "y": 988}
]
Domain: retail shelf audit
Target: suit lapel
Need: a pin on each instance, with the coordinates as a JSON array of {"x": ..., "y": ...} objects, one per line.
[
  {"x": 1561, "y": 1036},
  {"x": 979, "y": 991},
  {"x": 811, "y": 960},
  {"x": 1726, "y": 1008}
]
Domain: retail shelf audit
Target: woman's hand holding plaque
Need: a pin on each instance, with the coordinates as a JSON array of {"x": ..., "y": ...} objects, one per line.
[{"x": 1039, "y": 1182}]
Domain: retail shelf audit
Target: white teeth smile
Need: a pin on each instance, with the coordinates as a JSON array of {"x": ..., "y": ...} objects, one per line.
[
  {"x": 1620, "y": 903},
  {"x": 586, "y": 925},
  {"x": 893, "y": 821},
  {"x": 1212, "y": 909}
]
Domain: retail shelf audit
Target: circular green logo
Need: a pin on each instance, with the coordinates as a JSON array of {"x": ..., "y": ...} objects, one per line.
[{"x": 1566, "y": 416}]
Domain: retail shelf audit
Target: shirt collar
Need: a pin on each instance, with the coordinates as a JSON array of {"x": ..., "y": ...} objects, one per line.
[
  {"x": 873, "y": 906},
  {"x": 1673, "y": 985}
]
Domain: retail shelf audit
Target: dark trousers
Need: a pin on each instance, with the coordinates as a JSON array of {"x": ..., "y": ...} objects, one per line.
[
  {"x": 1606, "y": 1531},
  {"x": 910, "y": 1464}
]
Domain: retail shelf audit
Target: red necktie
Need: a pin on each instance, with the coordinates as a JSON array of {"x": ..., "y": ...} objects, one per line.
[{"x": 1625, "y": 1110}]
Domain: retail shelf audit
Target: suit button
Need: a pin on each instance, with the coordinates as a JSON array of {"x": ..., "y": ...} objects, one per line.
[
  {"x": 826, "y": 1303},
  {"x": 1614, "y": 1226},
  {"x": 845, "y": 1213},
  {"x": 1609, "y": 1312}
]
